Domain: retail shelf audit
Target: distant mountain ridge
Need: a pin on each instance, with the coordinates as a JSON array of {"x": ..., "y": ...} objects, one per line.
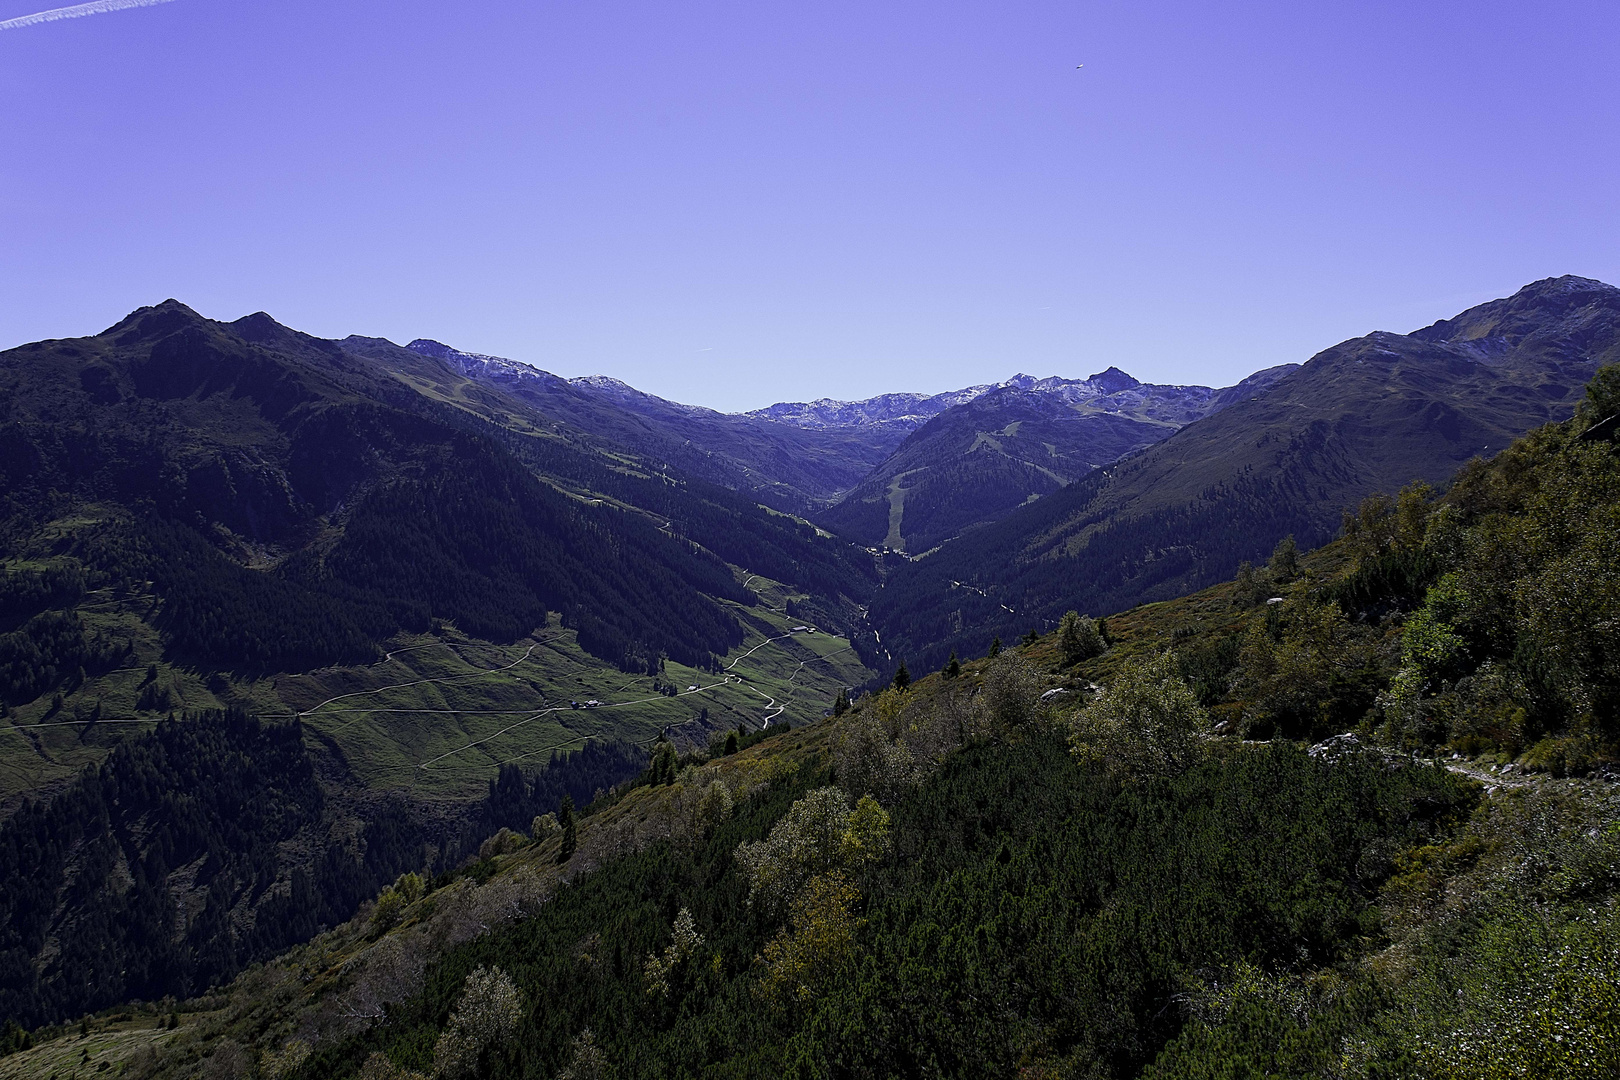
[
  {"x": 907, "y": 411},
  {"x": 830, "y": 459},
  {"x": 976, "y": 462},
  {"x": 788, "y": 468},
  {"x": 911, "y": 411}
]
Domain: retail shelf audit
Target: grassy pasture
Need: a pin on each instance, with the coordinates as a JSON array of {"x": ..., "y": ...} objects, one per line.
[{"x": 440, "y": 714}]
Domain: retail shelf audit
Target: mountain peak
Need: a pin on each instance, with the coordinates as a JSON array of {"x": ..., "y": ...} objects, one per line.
[
  {"x": 260, "y": 328},
  {"x": 1114, "y": 380},
  {"x": 498, "y": 368},
  {"x": 604, "y": 382},
  {"x": 156, "y": 320},
  {"x": 436, "y": 349},
  {"x": 1566, "y": 285},
  {"x": 1555, "y": 305}
]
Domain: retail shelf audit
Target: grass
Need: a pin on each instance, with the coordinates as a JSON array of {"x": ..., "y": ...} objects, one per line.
[
  {"x": 441, "y": 714},
  {"x": 109, "y": 1049}
]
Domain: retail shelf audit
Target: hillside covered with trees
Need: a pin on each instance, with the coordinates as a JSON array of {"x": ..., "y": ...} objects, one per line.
[{"x": 210, "y": 844}]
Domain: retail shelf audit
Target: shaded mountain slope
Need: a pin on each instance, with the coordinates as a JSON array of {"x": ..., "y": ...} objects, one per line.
[
  {"x": 722, "y": 519},
  {"x": 1370, "y": 414},
  {"x": 265, "y": 480},
  {"x": 979, "y": 460}
]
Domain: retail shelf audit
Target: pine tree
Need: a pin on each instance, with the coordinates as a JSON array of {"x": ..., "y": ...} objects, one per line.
[
  {"x": 902, "y": 677},
  {"x": 995, "y": 647},
  {"x": 953, "y": 666},
  {"x": 565, "y": 818}
]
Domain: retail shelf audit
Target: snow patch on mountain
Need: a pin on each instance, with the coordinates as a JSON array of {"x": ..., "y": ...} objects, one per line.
[
  {"x": 479, "y": 366},
  {"x": 1110, "y": 390}
]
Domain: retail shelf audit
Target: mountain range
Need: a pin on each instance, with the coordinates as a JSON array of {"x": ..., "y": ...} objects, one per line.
[
  {"x": 979, "y": 460},
  {"x": 959, "y": 459},
  {"x": 1368, "y": 415},
  {"x": 278, "y": 452},
  {"x": 440, "y": 564}
]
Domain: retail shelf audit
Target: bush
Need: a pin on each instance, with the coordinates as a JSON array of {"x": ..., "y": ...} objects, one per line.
[
  {"x": 1148, "y": 723},
  {"x": 386, "y": 912},
  {"x": 485, "y": 1021},
  {"x": 1012, "y": 691},
  {"x": 868, "y": 759},
  {"x": 657, "y": 970},
  {"x": 1078, "y": 638},
  {"x": 819, "y": 834}
]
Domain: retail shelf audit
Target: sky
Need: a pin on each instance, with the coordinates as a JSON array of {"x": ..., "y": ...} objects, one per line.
[{"x": 735, "y": 203}]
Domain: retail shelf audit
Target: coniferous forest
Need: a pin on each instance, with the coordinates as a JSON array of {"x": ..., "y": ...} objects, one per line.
[{"x": 204, "y": 809}]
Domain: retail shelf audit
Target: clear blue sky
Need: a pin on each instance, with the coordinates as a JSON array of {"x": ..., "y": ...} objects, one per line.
[{"x": 736, "y": 203}]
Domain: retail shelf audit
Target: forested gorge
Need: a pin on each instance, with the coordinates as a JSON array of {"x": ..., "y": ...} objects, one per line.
[{"x": 209, "y": 844}]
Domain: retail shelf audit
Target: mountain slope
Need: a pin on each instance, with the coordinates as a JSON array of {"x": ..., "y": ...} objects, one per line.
[
  {"x": 1370, "y": 414},
  {"x": 977, "y": 461},
  {"x": 372, "y": 507},
  {"x": 783, "y": 465}
]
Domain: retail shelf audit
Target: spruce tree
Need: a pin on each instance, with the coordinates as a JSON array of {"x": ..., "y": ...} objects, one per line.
[{"x": 565, "y": 818}]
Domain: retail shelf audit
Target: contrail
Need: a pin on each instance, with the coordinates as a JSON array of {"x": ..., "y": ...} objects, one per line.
[{"x": 77, "y": 11}]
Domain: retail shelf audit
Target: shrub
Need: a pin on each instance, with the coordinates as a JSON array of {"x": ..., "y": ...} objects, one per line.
[
  {"x": 819, "y": 834},
  {"x": 486, "y": 1019},
  {"x": 1148, "y": 723},
  {"x": 1079, "y": 638},
  {"x": 657, "y": 970}
]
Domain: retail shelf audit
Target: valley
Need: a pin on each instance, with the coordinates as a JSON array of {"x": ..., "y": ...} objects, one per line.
[
  {"x": 335, "y": 670},
  {"x": 438, "y": 714}
]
